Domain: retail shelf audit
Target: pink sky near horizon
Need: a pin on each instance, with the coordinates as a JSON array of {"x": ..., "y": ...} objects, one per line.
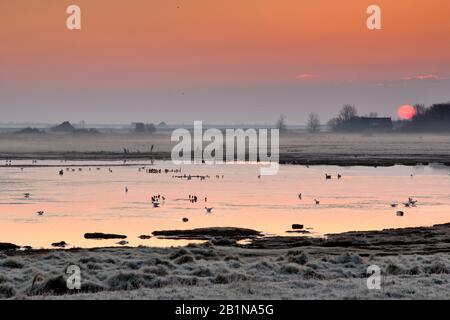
[{"x": 162, "y": 46}]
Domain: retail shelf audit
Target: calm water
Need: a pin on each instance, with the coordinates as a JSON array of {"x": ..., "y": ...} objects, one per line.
[{"x": 95, "y": 200}]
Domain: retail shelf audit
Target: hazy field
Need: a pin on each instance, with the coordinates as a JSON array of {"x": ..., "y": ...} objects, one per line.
[{"x": 324, "y": 148}]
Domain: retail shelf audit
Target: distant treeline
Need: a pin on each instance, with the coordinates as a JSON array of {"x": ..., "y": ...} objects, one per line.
[{"x": 435, "y": 118}]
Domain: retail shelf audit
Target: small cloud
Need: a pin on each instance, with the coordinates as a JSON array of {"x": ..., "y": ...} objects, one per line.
[
  {"x": 426, "y": 77},
  {"x": 306, "y": 76}
]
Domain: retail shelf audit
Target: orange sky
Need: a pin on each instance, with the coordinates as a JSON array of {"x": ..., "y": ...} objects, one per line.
[{"x": 205, "y": 43}]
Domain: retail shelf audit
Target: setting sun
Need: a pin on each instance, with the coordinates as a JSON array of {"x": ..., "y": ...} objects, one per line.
[{"x": 406, "y": 112}]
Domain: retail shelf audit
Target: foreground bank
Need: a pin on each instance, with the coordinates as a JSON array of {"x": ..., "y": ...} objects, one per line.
[{"x": 414, "y": 263}]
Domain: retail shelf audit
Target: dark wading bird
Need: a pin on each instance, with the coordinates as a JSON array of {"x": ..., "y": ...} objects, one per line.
[{"x": 61, "y": 244}]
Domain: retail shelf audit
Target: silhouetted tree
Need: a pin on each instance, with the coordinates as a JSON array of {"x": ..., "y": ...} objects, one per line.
[
  {"x": 433, "y": 119},
  {"x": 346, "y": 114},
  {"x": 420, "y": 109},
  {"x": 281, "y": 124},
  {"x": 313, "y": 123}
]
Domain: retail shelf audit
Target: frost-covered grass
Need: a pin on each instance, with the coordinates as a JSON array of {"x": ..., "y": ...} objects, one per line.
[
  {"x": 208, "y": 272},
  {"x": 298, "y": 143}
]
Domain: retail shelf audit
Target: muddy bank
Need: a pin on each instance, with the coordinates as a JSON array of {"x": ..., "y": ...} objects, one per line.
[
  {"x": 208, "y": 233},
  {"x": 102, "y": 236},
  {"x": 423, "y": 240},
  {"x": 369, "y": 160},
  {"x": 207, "y": 271},
  {"x": 417, "y": 240},
  {"x": 86, "y": 156},
  {"x": 373, "y": 160}
]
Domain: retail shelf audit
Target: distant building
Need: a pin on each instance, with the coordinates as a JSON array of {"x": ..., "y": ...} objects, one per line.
[
  {"x": 367, "y": 124},
  {"x": 377, "y": 124},
  {"x": 140, "y": 127},
  {"x": 162, "y": 125},
  {"x": 65, "y": 127}
]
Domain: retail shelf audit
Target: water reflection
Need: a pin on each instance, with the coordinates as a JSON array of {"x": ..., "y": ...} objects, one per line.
[{"x": 94, "y": 199}]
